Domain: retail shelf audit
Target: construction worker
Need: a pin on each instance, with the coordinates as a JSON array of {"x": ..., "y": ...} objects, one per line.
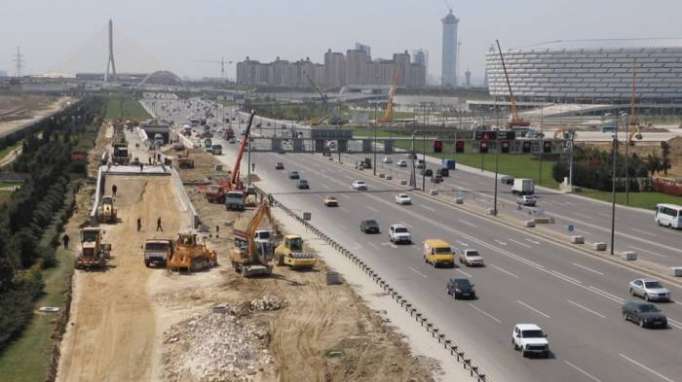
[
  {"x": 65, "y": 241},
  {"x": 158, "y": 225},
  {"x": 253, "y": 167},
  {"x": 217, "y": 230},
  {"x": 139, "y": 224},
  {"x": 113, "y": 190}
]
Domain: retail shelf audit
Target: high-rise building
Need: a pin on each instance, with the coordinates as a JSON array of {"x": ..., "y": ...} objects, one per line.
[
  {"x": 357, "y": 61},
  {"x": 3, "y": 73},
  {"x": 449, "y": 59},
  {"x": 364, "y": 48},
  {"x": 335, "y": 67},
  {"x": 421, "y": 57},
  {"x": 467, "y": 76}
]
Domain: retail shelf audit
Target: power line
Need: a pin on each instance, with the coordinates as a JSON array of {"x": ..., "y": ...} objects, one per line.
[{"x": 19, "y": 61}]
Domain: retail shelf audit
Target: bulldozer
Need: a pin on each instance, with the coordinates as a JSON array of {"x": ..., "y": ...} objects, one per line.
[
  {"x": 106, "y": 212},
  {"x": 94, "y": 253},
  {"x": 290, "y": 252},
  {"x": 252, "y": 254},
  {"x": 190, "y": 256}
]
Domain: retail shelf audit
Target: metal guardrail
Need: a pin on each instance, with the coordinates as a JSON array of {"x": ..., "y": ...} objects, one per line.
[{"x": 448, "y": 344}]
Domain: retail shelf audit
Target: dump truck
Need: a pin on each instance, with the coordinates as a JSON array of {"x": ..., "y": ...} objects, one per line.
[
  {"x": 157, "y": 252},
  {"x": 120, "y": 154},
  {"x": 190, "y": 256},
  {"x": 93, "y": 253},
  {"x": 234, "y": 200},
  {"x": 290, "y": 252},
  {"x": 215, "y": 194},
  {"x": 253, "y": 253},
  {"x": 106, "y": 212}
]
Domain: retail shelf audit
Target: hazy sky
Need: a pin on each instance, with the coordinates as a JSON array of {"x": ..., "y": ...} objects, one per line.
[{"x": 70, "y": 35}]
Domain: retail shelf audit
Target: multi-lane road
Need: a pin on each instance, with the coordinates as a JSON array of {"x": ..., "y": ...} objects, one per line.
[{"x": 576, "y": 298}]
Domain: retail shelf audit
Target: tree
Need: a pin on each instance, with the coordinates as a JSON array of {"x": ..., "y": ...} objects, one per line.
[{"x": 665, "y": 153}]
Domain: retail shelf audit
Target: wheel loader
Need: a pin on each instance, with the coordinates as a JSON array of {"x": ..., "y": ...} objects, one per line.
[
  {"x": 190, "y": 256},
  {"x": 94, "y": 253},
  {"x": 106, "y": 212},
  {"x": 290, "y": 252}
]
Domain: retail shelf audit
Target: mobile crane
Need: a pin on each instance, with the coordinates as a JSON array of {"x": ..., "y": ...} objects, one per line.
[
  {"x": 388, "y": 112},
  {"x": 516, "y": 120}
]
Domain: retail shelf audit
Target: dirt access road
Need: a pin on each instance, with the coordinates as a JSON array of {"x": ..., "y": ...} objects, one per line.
[{"x": 112, "y": 331}]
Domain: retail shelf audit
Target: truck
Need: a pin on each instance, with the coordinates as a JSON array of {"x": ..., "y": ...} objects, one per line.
[
  {"x": 120, "y": 154},
  {"x": 234, "y": 200},
  {"x": 157, "y": 252},
  {"x": 217, "y": 150},
  {"x": 438, "y": 252},
  {"x": 523, "y": 186},
  {"x": 106, "y": 212},
  {"x": 94, "y": 252},
  {"x": 290, "y": 252},
  {"x": 215, "y": 194}
]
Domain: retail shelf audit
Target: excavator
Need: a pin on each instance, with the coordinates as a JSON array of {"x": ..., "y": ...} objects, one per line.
[
  {"x": 190, "y": 256},
  {"x": 253, "y": 250},
  {"x": 516, "y": 120},
  {"x": 388, "y": 112}
]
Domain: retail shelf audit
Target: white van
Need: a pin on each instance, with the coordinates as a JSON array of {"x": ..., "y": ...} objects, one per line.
[{"x": 669, "y": 215}]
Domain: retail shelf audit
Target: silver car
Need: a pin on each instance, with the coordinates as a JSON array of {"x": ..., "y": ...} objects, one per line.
[{"x": 649, "y": 289}]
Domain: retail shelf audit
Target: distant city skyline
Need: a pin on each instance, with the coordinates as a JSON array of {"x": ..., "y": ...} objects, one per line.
[{"x": 70, "y": 35}]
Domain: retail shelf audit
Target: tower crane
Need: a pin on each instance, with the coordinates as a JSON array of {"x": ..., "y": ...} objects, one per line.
[
  {"x": 516, "y": 120},
  {"x": 222, "y": 63}
]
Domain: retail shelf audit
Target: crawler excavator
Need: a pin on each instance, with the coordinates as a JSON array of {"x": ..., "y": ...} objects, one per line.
[{"x": 253, "y": 250}]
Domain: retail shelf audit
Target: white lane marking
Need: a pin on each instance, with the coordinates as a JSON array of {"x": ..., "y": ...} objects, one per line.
[
  {"x": 586, "y": 309},
  {"x": 675, "y": 323},
  {"x": 356, "y": 245},
  {"x": 643, "y": 232},
  {"x": 483, "y": 312},
  {"x": 344, "y": 210},
  {"x": 427, "y": 208},
  {"x": 373, "y": 245},
  {"x": 533, "y": 309},
  {"x": 406, "y": 225},
  {"x": 606, "y": 294},
  {"x": 470, "y": 224},
  {"x": 583, "y": 372},
  {"x": 646, "y": 252},
  {"x": 463, "y": 244},
  {"x": 372, "y": 209},
  {"x": 533, "y": 241},
  {"x": 588, "y": 269},
  {"x": 566, "y": 277},
  {"x": 419, "y": 273},
  {"x": 654, "y": 372},
  {"x": 500, "y": 242},
  {"x": 344, "y": 196},
  {"x": 584, "y": 216},
  {"x": 464, "y": 273},
  {"x": 324, "y": 186},
  {"x": 504, "y": 271},
  {"x": 388, "y": 243},
  {"x": 520, "y": 243}
]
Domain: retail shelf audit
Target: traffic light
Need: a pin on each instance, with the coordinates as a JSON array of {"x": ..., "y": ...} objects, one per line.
[
  {"x": 437, "y": 146},
  {"x": 505, "y": 146},
  {"x": 459, "y": 146},
  {"x": 526, "y": 147},
  {"x": 547, "y": 147},
  {"x": 483, "y": 148}
]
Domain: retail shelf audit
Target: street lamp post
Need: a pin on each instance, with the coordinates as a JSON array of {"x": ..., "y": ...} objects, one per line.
[
  {"x": 497, "y": 151},
  {"x": 627, "y": 146},
  {"x": 374, "y": 148},
  {"x": 613, "y": 188}
]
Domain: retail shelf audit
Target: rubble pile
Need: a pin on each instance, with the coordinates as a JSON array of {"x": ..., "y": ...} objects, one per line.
[
  {"x": 266, "y": 303},
  {"x": 217, "y": 346}
]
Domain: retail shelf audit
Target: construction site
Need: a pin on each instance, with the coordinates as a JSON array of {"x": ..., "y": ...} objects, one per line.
[{"x": 171, "y": 287}]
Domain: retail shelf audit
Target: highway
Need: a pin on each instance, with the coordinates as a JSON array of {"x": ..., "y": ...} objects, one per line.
[{"x": 574, "y": 297}]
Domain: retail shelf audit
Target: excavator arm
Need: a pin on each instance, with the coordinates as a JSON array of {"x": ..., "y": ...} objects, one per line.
[
  {"x": 262, "y": 212},
  {"x": 234, "y": 182}
]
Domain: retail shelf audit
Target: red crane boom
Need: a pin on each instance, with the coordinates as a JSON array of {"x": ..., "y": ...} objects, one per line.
[{"x": 234, "y": 182}]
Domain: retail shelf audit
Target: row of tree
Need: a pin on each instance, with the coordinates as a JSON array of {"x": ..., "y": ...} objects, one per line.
[{"x": 37, "y": 210}]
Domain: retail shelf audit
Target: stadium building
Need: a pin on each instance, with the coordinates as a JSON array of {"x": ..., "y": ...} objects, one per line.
[{"x": 591, "y": 72}]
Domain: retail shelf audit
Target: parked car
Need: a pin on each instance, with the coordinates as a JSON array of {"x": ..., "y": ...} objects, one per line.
[
  {"x": 436, "y": 179},
  {"x": 420, "y": 164},
  {"x": 644, "y": 314},
  {"x": 506, "y": 179},
  {"x": 461, "y": 288},
  {"x": 294, "y": 175},
  {"x": 426, "y": 172},
  {"x": 279, "y": 166},
  {"x": 370, "y": 226},
  {"x": 402, "y": 163},
  {"x": 530, "y": 340},
  {"x": 398, "y": 233},
  {"x": 359, "y": 185},
  {"x": 649, "y": 289},
  {"x": 527, "y": 200},
  {"x": 444, "y": 172},
  {"x": 403, "y": 199},
  {"x": 388, "y": 160},
  {"x": 331, "y": 201},
  {"x": 471, "y": 258},
  {"x": 302, "y": 184}
]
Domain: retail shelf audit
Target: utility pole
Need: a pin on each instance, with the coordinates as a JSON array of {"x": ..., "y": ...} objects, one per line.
[
  {"x": 374, "y": 148},
  {"x": 19, "y": 61},
  {"x": 613, "y": 189},
  {"x": 497, "y": 151},
  {"x": 626, "y": 120}
]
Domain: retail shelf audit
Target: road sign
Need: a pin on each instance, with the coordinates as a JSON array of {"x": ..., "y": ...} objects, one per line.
[
  {"x": 307, "y": 216},
  {"x": 571, "y": 228}
]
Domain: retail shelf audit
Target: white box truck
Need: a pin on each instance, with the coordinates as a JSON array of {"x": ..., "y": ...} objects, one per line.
[{"x": 523, "y": 187}]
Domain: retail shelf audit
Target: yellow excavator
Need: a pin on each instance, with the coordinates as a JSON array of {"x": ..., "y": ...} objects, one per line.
[
  {"x": 189, "y": 255},
  {"x": 253, "y": 250}
]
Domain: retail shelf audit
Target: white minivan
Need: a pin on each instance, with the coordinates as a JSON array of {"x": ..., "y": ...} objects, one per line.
[{"x": 669, "y": 215}]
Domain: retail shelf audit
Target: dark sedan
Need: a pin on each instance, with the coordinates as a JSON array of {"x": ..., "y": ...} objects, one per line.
[
  {"x": 644, "y": 314},
  {"x": 369, "y": 226}
]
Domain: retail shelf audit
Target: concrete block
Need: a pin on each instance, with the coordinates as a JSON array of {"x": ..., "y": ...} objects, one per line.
[
  {"x": 529, "y": 223},
  {"x": 577, "y": 239},
  {"x": 388, "y": 177},
  {"x": 491, "y": 211},
  {"x": 459, "y": 200},
  {"x": 403, "y": 182},
  {"x": 677, "y": 271},
  {"x": 544, "y": 220},
  {"x": 599, "y": 246},
  {"x": 434, "y": 192},
  {"x": 629, "y": 256},
  {"x": 382, "y": 175}
]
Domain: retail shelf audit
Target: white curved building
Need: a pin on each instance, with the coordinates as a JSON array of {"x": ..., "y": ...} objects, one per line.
[{"x": 591, "y": 71}]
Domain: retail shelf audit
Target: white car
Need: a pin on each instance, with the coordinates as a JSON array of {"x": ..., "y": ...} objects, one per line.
[
  {"x": 649, "y": 289},
  {"x": 359, "y": 185},
  {"x": 403, "y": 199},
  {"x": 388, "y": 160},
  {"x": 402, "y": 163},
  {"x": 530, "y": 340},
  {"x": 471, "y": 258},
  {"x": 398, "y": 233}
]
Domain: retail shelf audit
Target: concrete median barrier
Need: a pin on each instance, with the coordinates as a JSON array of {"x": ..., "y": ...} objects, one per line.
[
  {"x": 599, "y": 246},
  {"x": 629, "y": 256},
  {"x": 577, "y": 239},
  {"x": 676, "y": 271}
]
